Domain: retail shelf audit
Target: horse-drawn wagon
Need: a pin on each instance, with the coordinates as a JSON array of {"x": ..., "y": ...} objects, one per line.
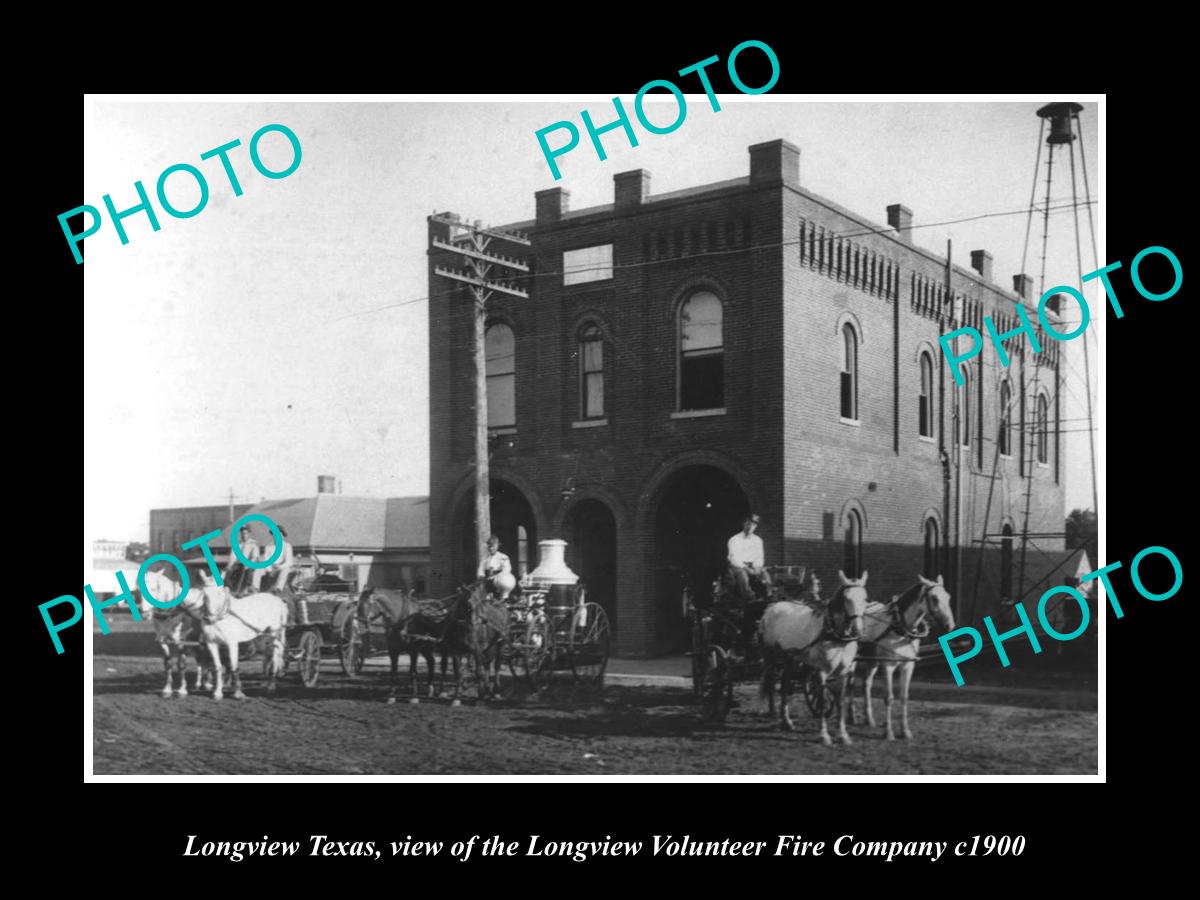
[
  {"x": 322, "y": 622},
  {"x": 552, "y": 626},
  {"x": 727, "y": 642}
]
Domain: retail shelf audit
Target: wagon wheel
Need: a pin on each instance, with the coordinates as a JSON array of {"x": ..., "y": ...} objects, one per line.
[
  {"x": 816, "y": 698},
  {"x": 310, "y": 658},
  {"x": 699, "y": 655},
  {"x": 588, "y": 642},
  {"x": 353, "y": 649},
  {"x": 717, "y": 694},
  {"x": 535, "y": 651}
]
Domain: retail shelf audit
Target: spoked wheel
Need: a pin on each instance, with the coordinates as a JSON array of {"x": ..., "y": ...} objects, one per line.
[
  {"x": 353, "y": 648},
  {"x": 588, "y": 641},
  {"x": 819, "y": 697},
  {"x": 536, "y": 652},
  {"x": 716, "y": 698},
  {"x": 699, "y": 655},
  {"x": 310, "y": 658}
]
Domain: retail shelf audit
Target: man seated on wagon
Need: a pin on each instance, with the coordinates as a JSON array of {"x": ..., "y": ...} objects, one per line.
[
  {"x": 746, "y": 574},
  {"x": 236, "y": 575},
  {"x": 496, "y": 569}
]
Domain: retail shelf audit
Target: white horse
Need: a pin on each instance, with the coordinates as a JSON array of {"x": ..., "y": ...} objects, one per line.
[
  {"x": 821, "y": 637},
  {"x": 174, "y": 630},
  {"x": 891, "y": 639},
  {"x": 229, "y": 620}
]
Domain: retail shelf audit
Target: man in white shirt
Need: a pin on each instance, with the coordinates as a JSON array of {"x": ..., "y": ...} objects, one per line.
[
  {"x": 235, "y": 573},
  {"x": 497, "y": 569},
  {"x": 746, "y": 561},
  {"x": 282, "y": 567}
]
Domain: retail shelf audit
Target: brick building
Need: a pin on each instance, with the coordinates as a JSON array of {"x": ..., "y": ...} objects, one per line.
[{"x": 683, "y": 358}]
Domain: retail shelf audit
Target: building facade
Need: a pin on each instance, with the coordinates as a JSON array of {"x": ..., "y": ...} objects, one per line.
[{"x": 685, "y": 358}]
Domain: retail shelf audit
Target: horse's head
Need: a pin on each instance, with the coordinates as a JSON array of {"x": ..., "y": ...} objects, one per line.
[
  {"x": 937, "y": 602},
  {"x": 850, "y": 603}
]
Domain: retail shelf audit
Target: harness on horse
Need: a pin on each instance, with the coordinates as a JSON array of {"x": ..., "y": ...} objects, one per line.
[{"x": 920, "y": 627}]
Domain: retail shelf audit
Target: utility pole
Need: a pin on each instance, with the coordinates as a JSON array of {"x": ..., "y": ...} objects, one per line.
[
  {"x": 957, "y": 308},
  {"x": 471, "y": 243},
  {"x": 231, "y": 506}
]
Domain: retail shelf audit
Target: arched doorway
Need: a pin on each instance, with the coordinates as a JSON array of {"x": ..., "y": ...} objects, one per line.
[
  {"x": 592, "y": 553},
  {"x": 700, "y": 508},
  {"x": 512, "y": 521}
]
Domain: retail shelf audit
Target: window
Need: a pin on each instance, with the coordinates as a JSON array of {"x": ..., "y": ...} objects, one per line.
[
  {"x": 591, "y": 373},
  {"x": 500, "y": 348},
  {"x": 931, "y": 548},
  {"x": 964, "y": 407},
  {"x": 588, "y": 264},
  {"x": 925, "y": 412},
  {"x": 852, "y": 564},
  {"x": 701, "y": 353},
  {"x": 1005, "y": 419},
  {"x": 849, "y": 380},
  {"x": 522, "y": 552},
  {"x": 1043, "y": 425}
]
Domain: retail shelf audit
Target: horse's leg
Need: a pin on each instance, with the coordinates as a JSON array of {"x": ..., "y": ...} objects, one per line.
[
  {"x": 458, "y": 685},
  {"x": 183, "y": 655},
  {"x": 889, "y": 669},
  {"x": 393, "y": 645},
  {"x": 848, "y": 702},
  {"x": 868, "y": 681},
  {"x": 845, "y": 690},
  {"x": 214, "y": 650},
  {"x": 785, "y": 690},
  {"x": 906, "y": 674},
  {"x": 414, "y": 654},
  {"x": 823, "y": 676},
  {"x": 235, "y": 675},
  {"x": 166, "y": 691},
  {"x": 766, "y": 688}
]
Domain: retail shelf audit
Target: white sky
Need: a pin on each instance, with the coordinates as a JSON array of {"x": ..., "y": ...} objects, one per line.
[{"x": 245, "y": 347}]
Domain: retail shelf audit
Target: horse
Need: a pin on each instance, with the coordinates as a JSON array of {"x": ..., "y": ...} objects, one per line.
[
  {"x": 411, "y": 625},
  {"x": 174, "y": 630},
  {"x": 891, "y": 637},
  {"x": 466, "y": 623},
  {"x": 229, "y": 620},
  {"x": 823, "y": 638}
]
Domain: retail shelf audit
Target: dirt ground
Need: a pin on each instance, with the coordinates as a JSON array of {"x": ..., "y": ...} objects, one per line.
[{"x": 345, "y": 726}]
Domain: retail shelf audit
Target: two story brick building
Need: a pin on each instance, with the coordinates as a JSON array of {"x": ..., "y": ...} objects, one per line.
[{"x": 687, "y": 357}]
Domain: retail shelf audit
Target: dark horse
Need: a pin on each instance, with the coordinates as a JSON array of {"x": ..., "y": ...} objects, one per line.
[{"x": 464, "y": 624}]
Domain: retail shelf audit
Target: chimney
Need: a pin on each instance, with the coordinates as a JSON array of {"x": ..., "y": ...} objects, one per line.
[
  {"x": 552, "y": 203},
  {"x": 1021, "y": 285},
  {"x": 981, "y": 262},
  {"x": 900, "y": 218},
  {"x": 630, "y": 189},
  {"x": 326, "y": 484},
  {"x": 775, "y": 161}
]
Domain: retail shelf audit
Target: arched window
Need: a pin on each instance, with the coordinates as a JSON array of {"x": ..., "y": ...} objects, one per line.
[
  {"x": 849, "y": 380},
  {"x": 591, "y": 372},
  {"x": 964, "y": 407},
  {"x": 852, "y": 564},
  {"x": 501, "y": 352},
  {"x": 931, "y": 548},
  {"x": 1043, "y": 426},
  {"x": 925, "y": 404},
  {"x": 1005, "y": 419},
  {"x": 1006, "y": 559},
  {"x": 701, "y": 352}
]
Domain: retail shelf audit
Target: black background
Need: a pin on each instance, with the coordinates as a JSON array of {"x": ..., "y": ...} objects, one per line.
[{"x": 1068, "y": 827}]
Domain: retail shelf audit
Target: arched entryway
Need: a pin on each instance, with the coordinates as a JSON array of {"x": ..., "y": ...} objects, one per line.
[
  {"x": 699, "y": 508},
  {"x": 591, "y": 532},
  {"x": 512, "y": 521}
]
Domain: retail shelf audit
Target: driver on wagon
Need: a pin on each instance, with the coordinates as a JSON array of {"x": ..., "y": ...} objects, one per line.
[{"x": 496, "y": 569}]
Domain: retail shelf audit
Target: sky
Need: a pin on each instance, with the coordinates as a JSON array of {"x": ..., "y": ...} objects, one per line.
[{"x": 282, "y": 334}]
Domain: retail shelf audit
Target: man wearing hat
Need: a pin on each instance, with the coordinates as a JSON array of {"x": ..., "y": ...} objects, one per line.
[
  {"x": 282, "y": 567},
  {"x": 496, "y": 568},
  {"x": 746, "y": 570}
]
